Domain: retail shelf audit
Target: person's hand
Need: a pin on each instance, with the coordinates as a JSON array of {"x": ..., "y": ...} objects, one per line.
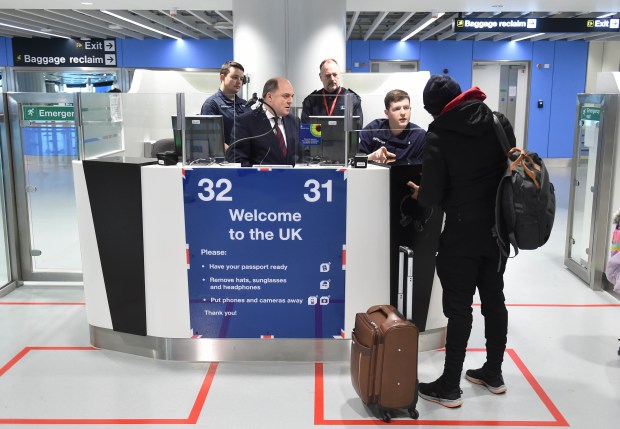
[
  {"x": 382, "y": 155},
  {"x": 415, "y": 189}
]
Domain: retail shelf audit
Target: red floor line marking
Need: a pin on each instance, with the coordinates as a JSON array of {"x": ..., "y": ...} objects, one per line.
[
  {"x": 13, "y": 361},
  {"x": 191, "y": 419},
  {"x": 319, "y": 396},
  {"x": 537, "y": 388},
  {"x": 558, "y": 305},
  {"x": 319, "y": 406},
  {"x": 39, "y": 303},
  {"x": 202, "y": 394}
]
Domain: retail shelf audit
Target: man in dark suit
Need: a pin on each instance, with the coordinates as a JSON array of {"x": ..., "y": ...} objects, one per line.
[{"x": 269, "y": 135}]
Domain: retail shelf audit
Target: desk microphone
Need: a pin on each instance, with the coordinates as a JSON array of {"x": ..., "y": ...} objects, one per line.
[{"x": 252, "y": 101}]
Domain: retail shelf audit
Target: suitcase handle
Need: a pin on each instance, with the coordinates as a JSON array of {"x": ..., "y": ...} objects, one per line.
[{"x": 388, "y": 310}]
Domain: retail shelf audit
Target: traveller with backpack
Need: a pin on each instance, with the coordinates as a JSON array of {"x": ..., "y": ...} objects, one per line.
[{"x": 462, "y": 167}]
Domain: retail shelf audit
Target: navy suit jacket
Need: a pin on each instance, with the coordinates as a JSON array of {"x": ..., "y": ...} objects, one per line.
[{"x": 262, "y": 145}]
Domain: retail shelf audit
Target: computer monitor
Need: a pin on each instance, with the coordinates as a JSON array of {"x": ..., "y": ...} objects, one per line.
[
  {"x": 331, "y": 151},
  {"x": 204, "y": 138}
]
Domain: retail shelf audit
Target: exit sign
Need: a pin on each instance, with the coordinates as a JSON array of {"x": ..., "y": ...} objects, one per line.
[
  {"x": 591, "y": 113},
  {"x": 48, "y": 113}
]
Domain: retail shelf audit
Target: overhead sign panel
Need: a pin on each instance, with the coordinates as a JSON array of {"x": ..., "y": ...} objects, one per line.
[
  {"x": 536, "y": 25},
  {"x": 37, "y": 52}
]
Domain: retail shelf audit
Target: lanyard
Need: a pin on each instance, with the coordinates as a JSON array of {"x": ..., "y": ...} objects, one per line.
[{"x": 330, "y": 111}]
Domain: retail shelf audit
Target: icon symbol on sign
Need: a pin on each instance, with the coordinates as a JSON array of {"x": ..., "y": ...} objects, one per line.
[
  {"x": 324, "y": 267},
  {"x": 324, "y": 284},
  {"x": 312, "y": 300},
  {"x": 324, "y": 300}
]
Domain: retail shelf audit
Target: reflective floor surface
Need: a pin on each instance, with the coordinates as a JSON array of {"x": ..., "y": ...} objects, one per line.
[{"x": 562, "y": 367}]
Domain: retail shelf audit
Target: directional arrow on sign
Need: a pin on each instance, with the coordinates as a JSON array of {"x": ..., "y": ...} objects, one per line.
[
  {"x": 110, "y": 59},
  {"x": 109, "y": 46}
]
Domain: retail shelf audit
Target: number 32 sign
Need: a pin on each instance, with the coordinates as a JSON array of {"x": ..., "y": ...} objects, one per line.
[{"x": 266, "y": 246}]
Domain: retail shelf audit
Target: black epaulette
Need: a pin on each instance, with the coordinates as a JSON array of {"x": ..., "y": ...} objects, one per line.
[{"x": 352, "y": 92}]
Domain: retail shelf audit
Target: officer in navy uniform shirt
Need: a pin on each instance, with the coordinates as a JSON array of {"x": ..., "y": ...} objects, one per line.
[
  {"x": 225, "y": 101},
  {"x": 394, "y": 138},
  {"x": 329, "y": 100}
]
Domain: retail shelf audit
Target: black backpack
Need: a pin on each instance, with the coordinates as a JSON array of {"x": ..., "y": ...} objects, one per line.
[{"x": 525, "y": 200}]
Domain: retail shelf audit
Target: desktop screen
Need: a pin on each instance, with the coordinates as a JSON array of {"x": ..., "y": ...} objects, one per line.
[
  {"x": 204, "y": 138},
  {"x": 333, "y": 139}
]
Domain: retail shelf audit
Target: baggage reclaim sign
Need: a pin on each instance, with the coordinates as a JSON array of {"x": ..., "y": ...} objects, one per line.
[
  {"x": 536, "y": 25},
  {"x": 37, "y": 52}
]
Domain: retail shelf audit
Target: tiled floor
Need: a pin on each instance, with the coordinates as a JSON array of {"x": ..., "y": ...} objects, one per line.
[{"x": 562, "y": 367}]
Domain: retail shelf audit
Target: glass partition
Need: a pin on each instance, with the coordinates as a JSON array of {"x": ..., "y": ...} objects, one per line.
[
  {"x": 130, "y": 124},
  {"x": 330, "y": 128},
  {"x": 5, "y": 275},
  {"x": 589, "y": 214},
  {"x": 44, "y": 144},
  {"x": 200, "y": 139},
  {"x": 101, "y": 124}
]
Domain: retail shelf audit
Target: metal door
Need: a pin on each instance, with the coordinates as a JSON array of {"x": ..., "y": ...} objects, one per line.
[
  {"x": 591, "y": 174},
  {"x": 44, "y": 142}
]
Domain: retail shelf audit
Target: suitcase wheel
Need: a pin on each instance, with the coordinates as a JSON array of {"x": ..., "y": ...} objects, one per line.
[
  {"x": 386, "y": 416},
  {"x": 413, "y": 413}
]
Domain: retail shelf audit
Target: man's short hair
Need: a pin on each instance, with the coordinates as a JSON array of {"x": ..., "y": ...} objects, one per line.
[
  {"x": 327, "y": 60},
  {"x": 394, "y": 96},
  {"x": 228, "y": 64},
  {"x": 270, "y": 86}
]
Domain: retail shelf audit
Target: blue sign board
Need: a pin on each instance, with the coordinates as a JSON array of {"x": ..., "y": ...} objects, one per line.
[
  {"x": 310, "y": 134},
  {"x": 266, "y": 252}
]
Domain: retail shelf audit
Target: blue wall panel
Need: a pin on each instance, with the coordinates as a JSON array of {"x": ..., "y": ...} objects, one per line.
[
  {"x": 206, "y": 54},
  {"x": 453, "y": 56},
  {"x": 359, "y": 62},
  {"x": 394, "y": 50},
  {"x": 540, "y": 89},
  {"x": 569, "y": 79},
  {"x": 119, "y": 52},
  {"x": 494, "y": 51},
  {"x": 6, "y": 52}
]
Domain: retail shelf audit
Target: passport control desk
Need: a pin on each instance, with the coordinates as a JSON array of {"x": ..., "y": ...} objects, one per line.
[{"x": 234, "y": 264}]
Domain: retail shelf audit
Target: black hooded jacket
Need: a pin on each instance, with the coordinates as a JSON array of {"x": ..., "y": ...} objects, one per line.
[{"x": 463, "y": 160}]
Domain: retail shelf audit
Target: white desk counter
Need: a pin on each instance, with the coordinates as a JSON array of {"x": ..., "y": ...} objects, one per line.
[{"x": 132, "y": 224}]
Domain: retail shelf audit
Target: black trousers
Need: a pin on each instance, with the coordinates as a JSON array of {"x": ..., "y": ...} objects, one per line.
[{"x": 467, "y": 259}]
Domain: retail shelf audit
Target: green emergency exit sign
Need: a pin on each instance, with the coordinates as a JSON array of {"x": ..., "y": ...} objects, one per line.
[
  {"x": 47, "y": 113},
  {"x": 591, "y": 113}
]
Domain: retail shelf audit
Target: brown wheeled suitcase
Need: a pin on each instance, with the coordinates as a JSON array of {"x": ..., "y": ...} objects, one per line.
[{"x": 384, "y": 361}]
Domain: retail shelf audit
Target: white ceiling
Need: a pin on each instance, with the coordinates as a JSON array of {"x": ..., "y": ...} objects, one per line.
[
  {"x": 352, "y": 5},
  {"x": 366, "y": 19}
]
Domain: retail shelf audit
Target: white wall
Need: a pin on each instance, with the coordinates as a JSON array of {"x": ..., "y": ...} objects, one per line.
[
  {"x": 602, "y": 57},
  {"x": 289, "y": 38},
  {"x": 486, "y": 76}
]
